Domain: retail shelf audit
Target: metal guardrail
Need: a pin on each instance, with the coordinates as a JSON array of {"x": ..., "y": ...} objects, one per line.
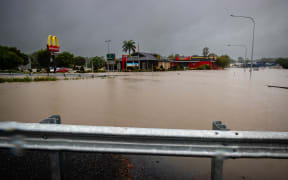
[
  {"x": 68, "y": 75},
  {"x": 219, "y": 144},
  {"x": 201, "y": 143}
]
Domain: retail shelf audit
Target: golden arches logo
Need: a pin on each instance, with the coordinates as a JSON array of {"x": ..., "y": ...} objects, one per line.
[{"x": 53, "y": 44}]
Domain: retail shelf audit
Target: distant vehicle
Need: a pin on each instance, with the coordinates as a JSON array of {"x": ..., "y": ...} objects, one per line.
[
  {"x": 52, "y": 69},
  {"x": 62, "y": 70}
]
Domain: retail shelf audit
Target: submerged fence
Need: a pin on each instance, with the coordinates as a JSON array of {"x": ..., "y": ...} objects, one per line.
[
  {"x": 68, "y": 75},
  {"x": 218, "y": 144}
]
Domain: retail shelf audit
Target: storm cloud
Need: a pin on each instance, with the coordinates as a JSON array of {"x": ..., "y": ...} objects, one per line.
[{"x": 162, "y": 26}]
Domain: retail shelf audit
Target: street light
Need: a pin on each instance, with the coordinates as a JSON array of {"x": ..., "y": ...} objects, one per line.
[
  {"x": 108, "y": 45},
  {"x": 251, "y": 18},
  {"x": 241, "y": 45},
  {"x": 108, "y": 51}
]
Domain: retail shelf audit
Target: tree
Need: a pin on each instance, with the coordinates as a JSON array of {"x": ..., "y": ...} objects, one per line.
[
  {"x": 282, "y": 62},
  {"x": 98, "y": 62},
  {"x": 212, "y": 55},
  {"x": 10, "y": 58},
  {"x": 205, "y": 51},
  {"x": 64, "y": 59},
  {"x": 43, "y": 58},
  {"x": 223, "y": 61},
  {"x": 240, "y": 59},
  {"x": 79, "y": 61},
  {"x": 20, "y": 54},
  {"x": 129, "y": 46}
]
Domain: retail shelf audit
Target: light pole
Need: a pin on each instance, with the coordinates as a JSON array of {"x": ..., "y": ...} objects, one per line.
[
  {"x": 251, "y": 18},
  {"x": 240, "y": 45},
  {"x": 108, "y": 51}
]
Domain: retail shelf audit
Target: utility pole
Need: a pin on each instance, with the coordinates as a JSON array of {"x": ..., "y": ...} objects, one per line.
[
  {"x": 108, "y": 51},
  {"x": 253, "y": 21}
]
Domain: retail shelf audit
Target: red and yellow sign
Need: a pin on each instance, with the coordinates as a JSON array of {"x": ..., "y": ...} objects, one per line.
[{"x": 53, "y": 44}]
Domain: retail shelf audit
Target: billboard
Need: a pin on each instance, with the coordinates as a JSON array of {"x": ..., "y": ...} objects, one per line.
[
  {"x": 132, "y": 64},
  {"x": 110, "y": 56},
  {"x": 53, "y": 44}
]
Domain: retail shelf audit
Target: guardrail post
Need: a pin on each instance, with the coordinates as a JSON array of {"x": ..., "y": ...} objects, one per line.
[
  {"x": 55, "y": 157},
  {"x": 217, "y": 162}
]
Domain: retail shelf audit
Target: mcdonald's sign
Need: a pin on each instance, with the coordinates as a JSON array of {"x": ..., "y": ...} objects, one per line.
[{"x": 53, "y": 44}]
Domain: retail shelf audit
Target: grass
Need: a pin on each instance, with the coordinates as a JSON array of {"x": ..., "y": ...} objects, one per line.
[
  {"x": 27, "y": 79},
  {"x": 45, "y": 79},
  {"x": 37, "y": 79}
]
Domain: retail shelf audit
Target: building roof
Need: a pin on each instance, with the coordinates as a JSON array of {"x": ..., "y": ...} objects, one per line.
[{"x": 144, "y": 56}]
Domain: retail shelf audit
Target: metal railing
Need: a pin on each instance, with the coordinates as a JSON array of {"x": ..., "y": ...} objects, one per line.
[
  {"x": 218, "y": 144},
  {"x": 68, "y": 75}
]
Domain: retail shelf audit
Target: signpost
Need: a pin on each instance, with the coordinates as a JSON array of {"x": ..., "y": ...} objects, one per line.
[
  {"x": 111, "y": 59},
  {"x": 52, "y": 46},
  {"x": 110, "y": 56}
]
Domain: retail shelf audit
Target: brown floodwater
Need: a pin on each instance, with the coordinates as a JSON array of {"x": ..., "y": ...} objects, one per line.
[{"x": 181, "y": 100}]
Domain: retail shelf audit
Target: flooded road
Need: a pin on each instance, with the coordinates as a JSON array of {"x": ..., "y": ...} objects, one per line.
[{"x": 180, "y": 100}]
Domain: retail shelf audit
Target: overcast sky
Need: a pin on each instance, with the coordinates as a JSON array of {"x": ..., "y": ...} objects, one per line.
[{"x": 160, "y": 26}]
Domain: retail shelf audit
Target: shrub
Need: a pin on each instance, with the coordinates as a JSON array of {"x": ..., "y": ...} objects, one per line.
[
  {"x": 203, "y": 67},
  {"x": 101, "y": 70},
  {"x": 25, "y": 79},
  {"x": 283, "y": 62},
  {"x": 45, "y": 79}
]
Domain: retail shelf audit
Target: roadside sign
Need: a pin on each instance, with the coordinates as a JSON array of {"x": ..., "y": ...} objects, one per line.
[{"x": 110, "y": 56}]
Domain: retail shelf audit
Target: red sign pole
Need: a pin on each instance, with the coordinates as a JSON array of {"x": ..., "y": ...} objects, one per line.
[{"x": 124, "y": 59}]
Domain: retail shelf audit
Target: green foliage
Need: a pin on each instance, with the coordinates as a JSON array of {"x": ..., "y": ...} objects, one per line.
[
  {"x": 129, "y": 46},
  {"x": 283, "y": 62},
  {"x": 240, "y": 60},
  {"x": 98, "y": 62},
  {"x": 64, "y": 59},
  {"x": 82, "y": 70},
  {"x": 45, "y": 79},
  {"x": 25, "y": 79},
  {"x": 41, "y": 58},
  {"x": 212, "y": 55},
  {"x": 79, "y": 61},
  {"x": 20, "y": 54},
  {"x": 207, "y": 66},
  {"x": 223, "y": 61},
  {"x": 100, "y": 70},
  {"x": 203, "y": 67},
  {"x": 205, "y": 51},
  {"x": 11, "y": 58},
  {"x": 268, "y": 60}
]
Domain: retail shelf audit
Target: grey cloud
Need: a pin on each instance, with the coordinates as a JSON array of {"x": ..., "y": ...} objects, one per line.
[{"x": 162, "y": 26}]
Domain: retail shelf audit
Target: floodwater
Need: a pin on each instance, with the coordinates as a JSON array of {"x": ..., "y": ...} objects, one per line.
[{"x": 179, "y": 100}]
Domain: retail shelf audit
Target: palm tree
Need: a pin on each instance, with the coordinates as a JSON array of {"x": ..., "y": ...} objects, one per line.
[
  {"x": 205, "y": 51},
  {"x": 129, "y": 46}
]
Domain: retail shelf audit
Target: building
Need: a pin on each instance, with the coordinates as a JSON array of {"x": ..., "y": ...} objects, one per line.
[
  {"x": 152, "y": 61},
  {"x": 193, "y": 62}
]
